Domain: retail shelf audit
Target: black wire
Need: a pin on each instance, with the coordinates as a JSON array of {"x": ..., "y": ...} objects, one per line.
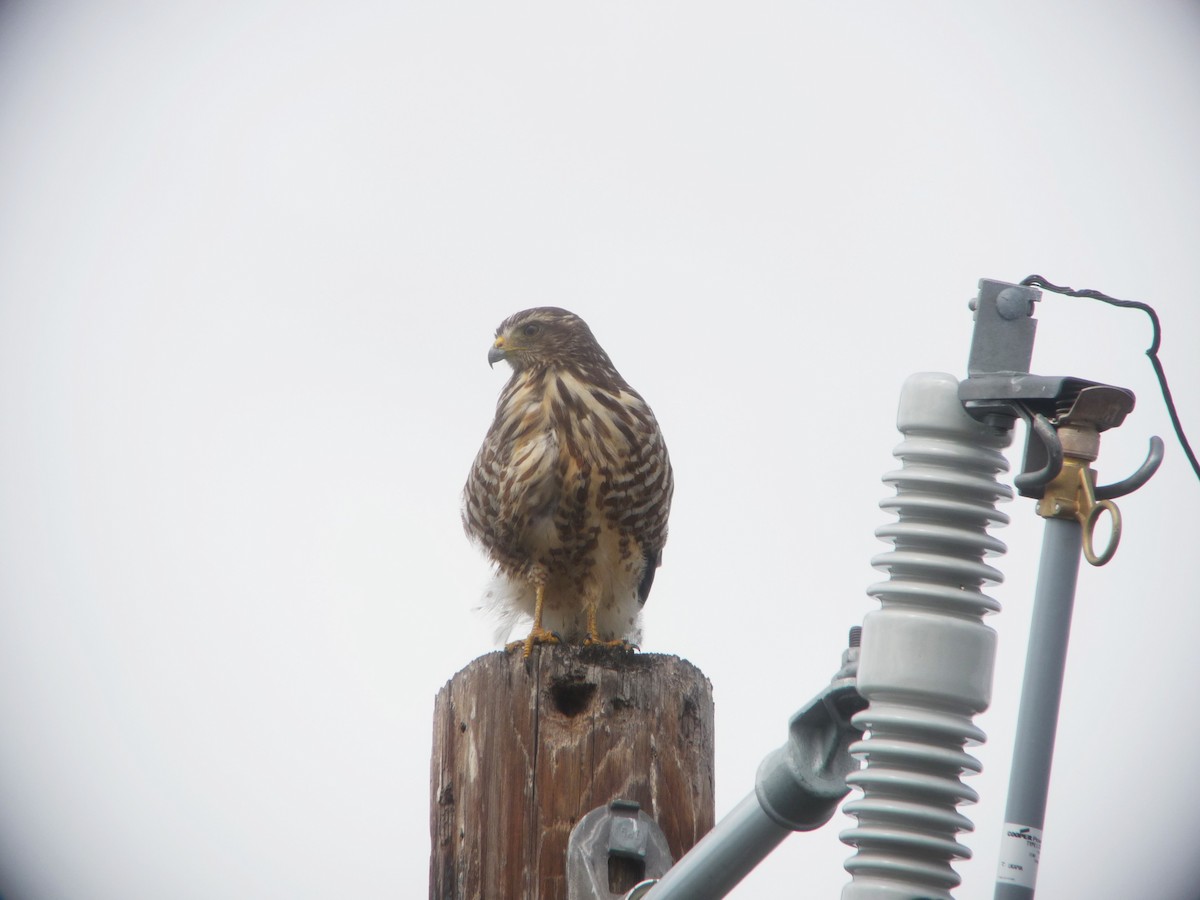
[{"x": 1152, "y": 352}]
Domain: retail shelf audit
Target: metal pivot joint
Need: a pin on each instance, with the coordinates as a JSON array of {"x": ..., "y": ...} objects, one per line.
[
  {"x": 1071, "y": 493},
  {"x": 800, "y": 784},
  {"x": 1063, "y": 447},
  {"x": 1074, "y": 440}
]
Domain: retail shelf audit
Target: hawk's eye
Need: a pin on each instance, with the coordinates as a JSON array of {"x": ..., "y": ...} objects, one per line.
[{"x": 531, "y": 329}]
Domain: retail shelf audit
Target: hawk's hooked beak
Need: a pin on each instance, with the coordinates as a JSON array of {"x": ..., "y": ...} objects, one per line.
[{"x": 497, "y": 352}]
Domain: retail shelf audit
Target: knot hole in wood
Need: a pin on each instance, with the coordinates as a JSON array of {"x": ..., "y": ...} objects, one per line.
[{"x": 571, "y": 694}]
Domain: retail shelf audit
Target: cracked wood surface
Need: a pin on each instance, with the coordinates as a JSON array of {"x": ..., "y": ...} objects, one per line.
[{"x": 522, "y": 749}]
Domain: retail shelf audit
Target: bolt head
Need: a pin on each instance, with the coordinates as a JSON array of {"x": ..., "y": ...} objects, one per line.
[{"x": 1014, "y": 303}]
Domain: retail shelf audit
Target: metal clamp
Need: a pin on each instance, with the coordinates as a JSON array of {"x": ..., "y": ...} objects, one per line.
[
  {"x": 1072, "y": 495},
  {"x": 612, "y": 849},
  {"x": 1065, "y": 417}
]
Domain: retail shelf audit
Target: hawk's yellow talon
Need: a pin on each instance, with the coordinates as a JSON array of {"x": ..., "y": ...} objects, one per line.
[
  {"x": 592, "y": 641},
  {"x": 537, "y": 636},
  {"x": 593, "y": 638}
]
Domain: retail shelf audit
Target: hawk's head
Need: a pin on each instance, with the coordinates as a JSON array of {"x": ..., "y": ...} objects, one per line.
[{"x": 546, "y": 335}]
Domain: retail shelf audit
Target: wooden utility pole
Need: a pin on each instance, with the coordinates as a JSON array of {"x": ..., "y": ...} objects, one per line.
[{"x": 522, "y": 749}]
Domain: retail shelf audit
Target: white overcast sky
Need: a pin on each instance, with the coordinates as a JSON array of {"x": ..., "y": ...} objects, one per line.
[{"x": 251, "y": 259}]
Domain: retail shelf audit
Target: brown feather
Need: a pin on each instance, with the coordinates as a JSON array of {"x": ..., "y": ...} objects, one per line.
[{"x": 572, "y": 487}]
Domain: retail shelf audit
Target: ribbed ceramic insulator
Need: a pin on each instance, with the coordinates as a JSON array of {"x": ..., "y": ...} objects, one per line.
[{"x": 927, "y": 657}]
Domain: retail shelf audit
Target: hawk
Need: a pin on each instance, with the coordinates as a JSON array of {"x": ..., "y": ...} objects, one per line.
[{"x": 570, "y": 492}]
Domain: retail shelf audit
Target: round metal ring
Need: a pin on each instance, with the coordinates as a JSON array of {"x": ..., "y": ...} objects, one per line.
[{"x": 1089, "y": 528}]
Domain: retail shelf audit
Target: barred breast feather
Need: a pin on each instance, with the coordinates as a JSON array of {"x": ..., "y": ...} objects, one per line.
[{"x": 571, "y": 489}]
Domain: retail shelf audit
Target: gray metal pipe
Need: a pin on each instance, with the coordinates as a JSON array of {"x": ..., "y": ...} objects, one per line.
[
  {"x": 798, "y": 788},
  {"x": 726, "y": 855},
  {"x": 1037, "y": 720}
]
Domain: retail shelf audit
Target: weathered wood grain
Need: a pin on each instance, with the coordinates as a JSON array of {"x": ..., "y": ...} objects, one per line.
[{"x": 522, "y": 749}]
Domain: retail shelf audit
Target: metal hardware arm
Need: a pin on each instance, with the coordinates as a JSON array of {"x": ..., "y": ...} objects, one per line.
[{"x": 798, "y": 788}]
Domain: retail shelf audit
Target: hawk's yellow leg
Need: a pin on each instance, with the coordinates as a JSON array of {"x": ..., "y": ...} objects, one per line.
[
  {"x": 593, "y": 638},
  {"x": 538, "y": 635}
]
